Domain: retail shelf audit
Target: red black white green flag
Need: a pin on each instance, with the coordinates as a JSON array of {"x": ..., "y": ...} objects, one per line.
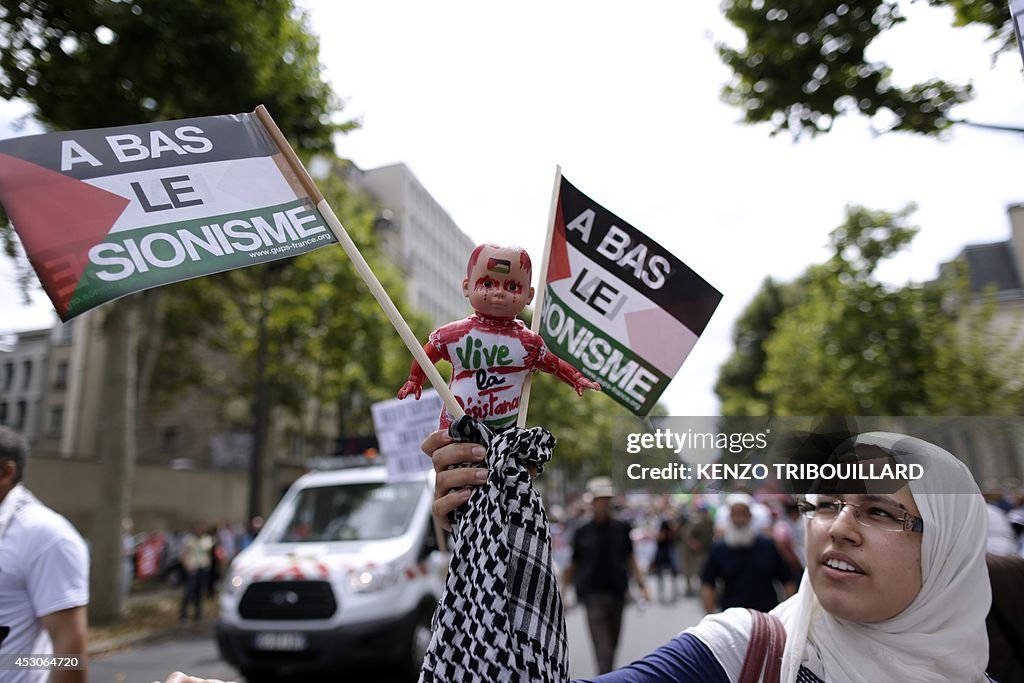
[
  {"x": 618, "y": 306},
  {"x": 106, "y": 212}
]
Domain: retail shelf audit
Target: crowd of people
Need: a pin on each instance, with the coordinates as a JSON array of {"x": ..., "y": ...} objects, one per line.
[
  {"x": 196, "y": 559},
  {"x": 924, "y": 583},
  {"x": 728, "y": 551},
  {"x": 157, "y": 555}
]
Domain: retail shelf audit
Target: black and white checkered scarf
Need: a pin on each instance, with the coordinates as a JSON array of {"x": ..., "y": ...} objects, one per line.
[{"x": 500, "y": 618}]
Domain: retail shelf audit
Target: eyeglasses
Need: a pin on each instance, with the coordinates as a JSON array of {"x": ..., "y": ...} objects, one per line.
[{"x": 872, "y": 514}]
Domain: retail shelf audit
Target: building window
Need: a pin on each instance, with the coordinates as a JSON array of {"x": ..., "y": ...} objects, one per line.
[
  {"x": 19, "y": 421},
  {"x": 60, "y": 379},
  {"x": 66, "y": 331},
  {"x": 8, "y": 375},
  {"x": 56, "y": 425},
  {"x": 3, "y": 413},
  {"x": 27, "y": 379}
]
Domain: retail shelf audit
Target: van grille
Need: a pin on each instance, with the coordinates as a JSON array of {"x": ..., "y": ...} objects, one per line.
[{"x": 288, "y": 600}]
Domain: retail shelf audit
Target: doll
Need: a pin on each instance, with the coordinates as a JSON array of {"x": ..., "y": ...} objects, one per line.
[{"x": 492, "y": 351}]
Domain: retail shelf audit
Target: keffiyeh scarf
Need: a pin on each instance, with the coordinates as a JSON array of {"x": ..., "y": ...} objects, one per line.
[{"x": 500, "y": 618}]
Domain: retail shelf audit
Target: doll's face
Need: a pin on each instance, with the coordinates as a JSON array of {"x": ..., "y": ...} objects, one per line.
[{"x": 498, "y": 286}]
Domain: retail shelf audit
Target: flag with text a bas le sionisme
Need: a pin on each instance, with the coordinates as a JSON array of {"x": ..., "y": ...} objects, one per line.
[
  {"x": 619, "y": 307},
  {"x": 106, "y": 212}
]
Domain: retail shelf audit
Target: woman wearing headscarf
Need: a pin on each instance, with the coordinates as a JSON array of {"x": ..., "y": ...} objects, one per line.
[{"x": 896, "y": 588}]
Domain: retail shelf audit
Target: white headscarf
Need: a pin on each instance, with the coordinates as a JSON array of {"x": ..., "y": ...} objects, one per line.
[{"x": 939, "y": 638}]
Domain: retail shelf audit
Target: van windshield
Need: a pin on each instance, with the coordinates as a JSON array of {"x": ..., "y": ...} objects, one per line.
[{"x": 349, "y": 512}]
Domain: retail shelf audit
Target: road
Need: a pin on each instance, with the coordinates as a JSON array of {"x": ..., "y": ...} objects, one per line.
[
  {"x": 197, "y": 653},
  {"x": 642, "y": 631}
]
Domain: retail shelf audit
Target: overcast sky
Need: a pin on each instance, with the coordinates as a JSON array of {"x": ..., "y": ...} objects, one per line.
[{"x": 481, "y": 103}]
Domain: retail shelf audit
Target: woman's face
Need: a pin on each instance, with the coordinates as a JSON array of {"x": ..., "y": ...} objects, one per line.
[{"x": 876, "y": 573}]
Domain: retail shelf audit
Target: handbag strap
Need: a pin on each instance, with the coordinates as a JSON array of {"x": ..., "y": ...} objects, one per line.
[
  {"x": 764, "y": 652},
  {"x": 773, "y": 661}
]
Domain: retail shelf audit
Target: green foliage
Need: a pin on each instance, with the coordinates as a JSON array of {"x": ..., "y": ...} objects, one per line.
[
  {"x": 991, "y": 13},
  {"x": 982, "y": 373},
  {"x": 108, "y": 63},
  {"x": 848, "y": 344},
  {"x": 804, "y": 64},
  {"x": 737, "y": 379},
  {"x": 11, "y": 248},
  {"x": 582, "y": 424},
  {"x": 855, "y": 346}
]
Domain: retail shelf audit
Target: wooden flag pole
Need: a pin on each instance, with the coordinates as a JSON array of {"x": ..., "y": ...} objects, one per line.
[
  {"x": 369, "y": 278},
  {"x": 360, "y": 264},
  {"x": 538, "y": 306}
]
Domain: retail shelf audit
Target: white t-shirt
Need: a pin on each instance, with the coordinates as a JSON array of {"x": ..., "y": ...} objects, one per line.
[{"x": 44, "y": 568}]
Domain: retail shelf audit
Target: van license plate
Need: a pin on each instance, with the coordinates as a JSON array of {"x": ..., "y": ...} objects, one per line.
[{"x": 282, "y": 642}]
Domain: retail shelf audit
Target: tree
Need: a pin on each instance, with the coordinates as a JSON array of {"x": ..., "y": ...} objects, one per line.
[
  {"x": 804, "y": 64},
  {"x": 852, "y": 345},
  {"x": 330, "y": 341},
  {"x": 89, "y": 65},
  {"x": 736, "y": 386},
  {"x": 107, "y": 63}
]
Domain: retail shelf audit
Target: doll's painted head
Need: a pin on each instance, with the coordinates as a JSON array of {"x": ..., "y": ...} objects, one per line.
[{"x": 497, "y": 281}]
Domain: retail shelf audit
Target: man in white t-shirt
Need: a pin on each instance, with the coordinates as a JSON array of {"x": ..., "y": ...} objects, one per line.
[{"x": 44, "y": 576}]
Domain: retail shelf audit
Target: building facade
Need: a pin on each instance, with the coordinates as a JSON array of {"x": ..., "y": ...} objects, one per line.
[
  {"x": 422, "y": 241},
  {"x": 997, "y": 268},
  {"x": 23, "y": 361}
]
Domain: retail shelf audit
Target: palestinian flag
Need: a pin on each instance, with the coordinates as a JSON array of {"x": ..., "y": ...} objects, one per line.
[
  {"x": 499, "y": 265},
  {"x": 618, "y": 306},
  {"x": 106, "y": 212}
]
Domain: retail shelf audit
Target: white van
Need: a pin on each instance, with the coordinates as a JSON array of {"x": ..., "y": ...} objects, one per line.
[{"x": 345, "y": 571}]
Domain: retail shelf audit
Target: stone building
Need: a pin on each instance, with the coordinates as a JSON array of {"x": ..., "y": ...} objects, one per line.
[
  {"x": 23, "y": 364},
  {"x": 421, "y": 240}
]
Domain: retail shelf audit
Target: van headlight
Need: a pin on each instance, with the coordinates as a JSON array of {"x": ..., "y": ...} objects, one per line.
[
  {"x": 371, "y": 580},
  {"x": 232, "y": 583}
]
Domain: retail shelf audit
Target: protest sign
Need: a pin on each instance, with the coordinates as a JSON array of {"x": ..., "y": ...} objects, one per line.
[
  {"x": 617, "y": 305},
  {"x": 401, "y": 427},
  {"x": 106, "y": 212}
]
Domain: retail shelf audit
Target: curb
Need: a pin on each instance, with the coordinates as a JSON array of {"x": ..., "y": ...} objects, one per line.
[
  {"x": 105, "y": 647},
  {"x": 173, "y": 629}
]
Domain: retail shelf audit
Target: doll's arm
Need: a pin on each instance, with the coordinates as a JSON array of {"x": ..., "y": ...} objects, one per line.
[
  {"x": 414, "y": 385},
  {"x": 553, "y": 365}
]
